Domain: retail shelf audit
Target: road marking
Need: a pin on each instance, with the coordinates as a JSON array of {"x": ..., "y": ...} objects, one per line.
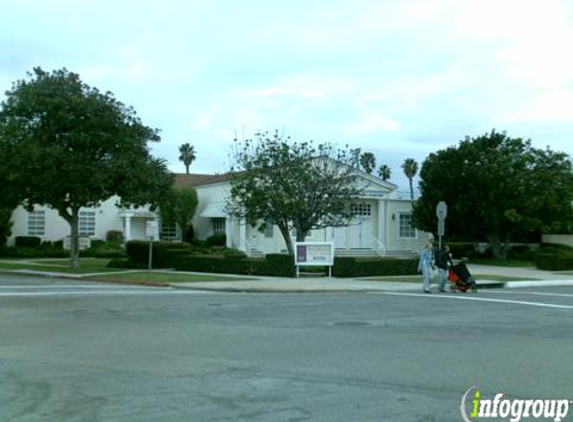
[
  {"x": 65, "y": 286},
  {"x": 514, "y": 292},
  {"x": 479, "y": 299},
  {"x": 107, "y": 293}
]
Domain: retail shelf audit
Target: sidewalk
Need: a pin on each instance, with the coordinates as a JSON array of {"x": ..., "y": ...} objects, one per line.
[
  {"x": 323, "y": 284},
  {"x": 257, "y": 284}
]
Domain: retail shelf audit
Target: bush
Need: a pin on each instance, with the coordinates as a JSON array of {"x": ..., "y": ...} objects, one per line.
[
  {"x": 27, "y": 241},
  {"x": 101, "y": 249},
  {"x": 554, "y": 262},
  {"x": 114, "y": 236},
  {"x": 138, "y": 252},
  {"x": 521, "y": 253},
  {"x": 96, "y": 243},
  {"x": 216, "y": 240},
  {"x": 364, "y": 267},
  {"x": 278, "y": 265},
  {"x": 38, "y": 252}
]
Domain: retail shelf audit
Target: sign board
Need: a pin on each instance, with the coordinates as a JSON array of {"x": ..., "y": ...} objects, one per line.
[
  {"x": 151, "y": 228},
  {"x": 314, "y": 253}
]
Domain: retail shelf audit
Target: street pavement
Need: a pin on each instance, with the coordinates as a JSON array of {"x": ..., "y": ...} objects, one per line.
[{"x": 77, "y": 351}]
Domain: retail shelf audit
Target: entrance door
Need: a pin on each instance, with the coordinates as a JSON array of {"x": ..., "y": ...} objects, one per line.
[{"x": 360, "y": 231}]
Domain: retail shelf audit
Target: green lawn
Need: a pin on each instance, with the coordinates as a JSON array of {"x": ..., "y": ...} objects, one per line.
[{"x": 159, "y": 277}]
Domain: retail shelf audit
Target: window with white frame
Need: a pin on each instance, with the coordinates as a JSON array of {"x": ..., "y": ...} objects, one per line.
[
  {"x": 168, "y": 231},
  {"x": 219, "y": 226},
  {"x": 86, "y": 223},
  {"x": 406, "y": 229},
  {"x": 361, "y": 209},
  {"x": 36, "y": 223}
]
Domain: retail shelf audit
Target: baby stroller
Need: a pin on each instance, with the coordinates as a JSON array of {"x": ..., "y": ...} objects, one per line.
[{"x": 461, "y": 279}]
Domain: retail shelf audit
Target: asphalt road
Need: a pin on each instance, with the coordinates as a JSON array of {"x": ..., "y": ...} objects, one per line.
[{"x": 78, "y": 351}]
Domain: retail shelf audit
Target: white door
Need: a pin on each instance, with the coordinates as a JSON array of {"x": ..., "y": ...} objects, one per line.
[{"x": 360, "y": 231}]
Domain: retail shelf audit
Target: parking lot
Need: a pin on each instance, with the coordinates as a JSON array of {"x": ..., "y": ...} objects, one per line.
[{"x": 84, "y": 351}]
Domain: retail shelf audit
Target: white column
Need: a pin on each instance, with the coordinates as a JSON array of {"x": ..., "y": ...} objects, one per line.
[
  {"x": 243, "y": 235},
  {"x": 229, "y": 231},
  {"x": 382, "y": 221},
  {"x": 127, "y": 227}
]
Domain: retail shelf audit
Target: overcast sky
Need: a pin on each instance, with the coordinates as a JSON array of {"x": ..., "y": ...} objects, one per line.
[{"x": 398, "y": 78}]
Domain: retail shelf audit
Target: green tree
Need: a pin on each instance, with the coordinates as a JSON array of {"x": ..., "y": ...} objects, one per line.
[
  {"x": 73, "y": 146},
  {"x": 410, "y": 167},
  {"x": 384, "y": 172},
  {"x": 187, "y": 152},
  {"x": 292, "y": 185},
  {"x": 368, "y": 162},
  {"x": 496, "y": 187},
  {"x": 8, "y": 195},
  {"x": 179, "y": 208}
]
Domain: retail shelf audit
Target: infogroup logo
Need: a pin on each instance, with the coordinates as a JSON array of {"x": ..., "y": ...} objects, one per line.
[{"x": 474, "y": 407}]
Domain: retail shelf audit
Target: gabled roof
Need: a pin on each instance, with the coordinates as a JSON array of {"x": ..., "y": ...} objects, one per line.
[{"x": 183, "y": 179}]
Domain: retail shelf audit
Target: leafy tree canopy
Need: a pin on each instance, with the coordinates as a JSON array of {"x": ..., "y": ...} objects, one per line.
[
  {"x": 496, "y": 187},
  {"x": 179, "y": 207},
  {"x": 293, "y": 185},
  {"x": 72, "y": 146}
]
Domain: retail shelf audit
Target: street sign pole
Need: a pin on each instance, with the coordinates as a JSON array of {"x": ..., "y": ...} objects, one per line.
[{"x": 441, "y": 213}]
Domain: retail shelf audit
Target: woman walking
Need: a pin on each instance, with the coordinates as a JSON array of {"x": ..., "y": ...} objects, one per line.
[{"x": 425, "y": 266}]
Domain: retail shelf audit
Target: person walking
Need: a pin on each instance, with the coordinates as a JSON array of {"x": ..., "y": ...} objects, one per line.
[
  {"x": 443, "y": 262},
  {"x": 425, "y": 266}
]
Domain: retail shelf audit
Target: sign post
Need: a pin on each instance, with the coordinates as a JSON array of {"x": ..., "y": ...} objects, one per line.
[
  {"x": 441, "y": 213},
  {"x": 150, "y": 232},
  {"x": 314, "y": 254}
]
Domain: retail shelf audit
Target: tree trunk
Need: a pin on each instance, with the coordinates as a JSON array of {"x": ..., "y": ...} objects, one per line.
[
  {"x": 71, "y": 217},
  {"x": 286, "y": 237},
  {"x": 498, "y": 246},
  {"x": 74, "y": 241},
  {"x": 411, "y": 189}
]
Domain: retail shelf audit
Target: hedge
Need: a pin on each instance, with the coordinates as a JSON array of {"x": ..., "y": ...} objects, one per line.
[
  {"x": 364, "y": 267},
  {"x": 554, "y": 262},
  {"x": 163, "y": 252},
  {"x": 27, "y": 241},
  {"x": 278, "y": 265}
]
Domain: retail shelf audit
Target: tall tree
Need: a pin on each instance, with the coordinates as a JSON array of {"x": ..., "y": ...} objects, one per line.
[
  {"x": 292, "y": 185},
  {"x": 384, "y": 172},
  {"x": 368, "y": 162},
  {"x": 496, "y": 188},
  {"x": 179, "y": 208},
  {"x": 8, "y": 193},
  {"x": 410, "y": 167},
  {"x": 187, "y": 152},
  {"x": 73, "y": 146}
]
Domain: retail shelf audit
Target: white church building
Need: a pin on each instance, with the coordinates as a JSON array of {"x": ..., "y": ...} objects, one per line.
[{"x": 381, "y": 225}]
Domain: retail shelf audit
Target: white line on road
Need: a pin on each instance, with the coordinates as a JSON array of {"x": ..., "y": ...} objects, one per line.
[
  {"x": 479, "y": 299},
  {"x": 514, "y": 292},
  {"x": 107, "y": 293},
  {"x": 65, "y": 286}
]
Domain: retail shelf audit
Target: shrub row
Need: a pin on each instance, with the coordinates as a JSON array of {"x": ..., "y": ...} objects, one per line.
[
  {"x": 364, "y": 267},
  {"x": 554, "y": 262},
  {"x": 278, "y": 265},
  {"x": 162, "y": 252}
]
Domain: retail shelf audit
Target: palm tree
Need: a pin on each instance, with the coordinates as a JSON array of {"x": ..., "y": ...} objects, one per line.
[
  {"x": 384, "y": 172},
  {"x": 410, "y": 167},
  {"x": 368, "y": 162},
  {"x": 187, "y": 155}
]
